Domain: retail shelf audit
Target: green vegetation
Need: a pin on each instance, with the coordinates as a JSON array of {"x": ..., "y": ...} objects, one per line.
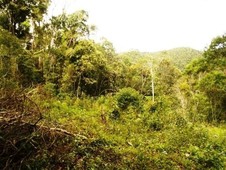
[
  {"x": 180, "y": 57},
  {"x": 67, "y": 102}
]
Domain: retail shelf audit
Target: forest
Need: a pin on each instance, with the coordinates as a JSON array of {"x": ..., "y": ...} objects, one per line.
[{"x": 69, "y": 102}]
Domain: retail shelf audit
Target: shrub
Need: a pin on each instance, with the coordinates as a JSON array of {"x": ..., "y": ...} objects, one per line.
[
  {"x": 128, "y": 97},
  {"x": 211, "y": 156},
  {"x": 156, "y": 124},
  {"x": 50, "y": 89},
  {"x": 115, "y": 114}
]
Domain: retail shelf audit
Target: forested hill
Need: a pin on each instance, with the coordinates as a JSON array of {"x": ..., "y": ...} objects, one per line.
[{"x": 180, "y": 57}]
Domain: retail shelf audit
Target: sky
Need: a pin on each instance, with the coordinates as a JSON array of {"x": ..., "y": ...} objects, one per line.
[{"x": 151, "y": 25}]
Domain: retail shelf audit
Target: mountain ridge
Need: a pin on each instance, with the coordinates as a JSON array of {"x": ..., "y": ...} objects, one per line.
[{"x": 179, "y": 56}]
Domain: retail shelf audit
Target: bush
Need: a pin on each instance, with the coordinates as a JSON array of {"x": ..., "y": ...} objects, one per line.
[
  {"x": 128, "y": 97},
  {"x": 210, "y": 156},
  {"x": 156, "y": 125},
  {"x": 50, "y": 89},
  {"x": 115, "y": 114}
]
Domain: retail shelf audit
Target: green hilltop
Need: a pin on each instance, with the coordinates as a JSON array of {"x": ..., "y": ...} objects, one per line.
[{"x": 180, "y": 57}]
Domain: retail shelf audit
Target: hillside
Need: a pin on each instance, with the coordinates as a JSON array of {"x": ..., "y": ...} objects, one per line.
[{"x": 179, "y": 56}]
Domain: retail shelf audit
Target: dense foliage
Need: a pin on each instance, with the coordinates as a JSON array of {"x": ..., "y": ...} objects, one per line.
[{"x": 68, "y": 102}]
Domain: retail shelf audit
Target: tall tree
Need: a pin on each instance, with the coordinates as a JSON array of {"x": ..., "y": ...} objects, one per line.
[
  {"x": 209, "y": 77},
  {"x": 16, "y": 67},
  {"x": 20, "y": 14},
  {"x": 166, "y": 78}
]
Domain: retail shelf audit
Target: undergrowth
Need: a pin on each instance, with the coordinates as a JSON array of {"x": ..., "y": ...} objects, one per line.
[{"x": 131, "y": 139}]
